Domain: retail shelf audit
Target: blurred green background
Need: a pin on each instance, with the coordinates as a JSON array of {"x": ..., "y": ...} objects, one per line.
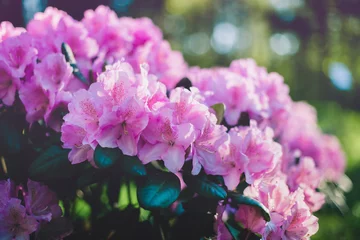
[{"x": 312, "y": 43}]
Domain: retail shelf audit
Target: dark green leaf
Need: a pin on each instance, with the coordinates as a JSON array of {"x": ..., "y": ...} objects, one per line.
[
  {"x": 241, "y": 199},
  {"x": 131, "y": 165},
  {"x": 57, "y": 229},
  {"x": 53, "y": 163},
  {"x": 185, "y": 82},
  {"x": 12, "y": 141},
  {"x": 159, "y": 190},
  {"x": 90, "y": 176},
  {"x": 203, "y": 186},
  {"x": 106, "y": 157},
  {"x": 69, "y": 56},
  {"x": 234, "y": 230},
  {"x": 219, "y": 111}
]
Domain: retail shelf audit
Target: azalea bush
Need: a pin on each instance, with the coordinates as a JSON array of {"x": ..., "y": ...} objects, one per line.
[{"x": 107, "y": 133}]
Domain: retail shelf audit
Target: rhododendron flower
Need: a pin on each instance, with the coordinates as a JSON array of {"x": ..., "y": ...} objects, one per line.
[
  {"x": 166, "y": 140},
  {"x": 300, "y": 224},
  {"x": 18, "y": 52},
  {"x": 41, "y": 202},
  {"x": 53, "y": 72},
  {"x": 210, "y": 150},
  {"x": 122, "y": 126},
  {"x": 168, "y": 65},
  {"x": 35, "y": 100},
  {"x": 8, "y": 30},
  {"x": 251, "y": 218},
  {"x": 237, "y": 93},
  {"x": 8, "y": 84},
  {"x": 332, "y": 159},
  {"x": 15, "y": 223},
  {"x": 53, "y": 27},
  {"x": 252, "y": 152}
]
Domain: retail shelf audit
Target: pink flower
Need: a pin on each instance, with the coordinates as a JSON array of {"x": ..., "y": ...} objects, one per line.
[
  {"x": 74, "y": 137},
  {"x": 210, "y": 150},
  {"x": 53, "y": 27},
  {"x": 113, "y": 38},
  {"x": 18, "y": 52},
  {"x": 253, "y": 152},
  {"x": 41, "y": 202},
  {"x": 123, "y": 125},
  {"x": 8, "y": 84},
  {"x": 166, "y": 140},
  {"x": 87, "y": 106},
  {"x": 236, "y": 92},
  {"x": 7, "y": 191},
  {"x": 8, "y": 30},
  {"x": 35, "y": 100},
  {"x": 303, "y": 173},
  {"x": 300, "y": 224},
  {"x": 15, "y": 223},
  {"x": 53, "y": 72},
  {"x": 332, "y": 160},
  {"x": 57, "y": 108},
  {"x": 168, "y": 65},
  {"x": 251, "y": 218}
]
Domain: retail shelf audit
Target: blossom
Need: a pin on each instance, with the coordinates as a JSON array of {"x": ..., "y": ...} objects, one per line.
[
  {"x": 8, "y": 30},
  {"x": 53, "y": 72},
  {"x": 41, "y": 202},
  {"x": 15, "y": 223},
  {"x": 53, "y": 27},
  {"x": 252, "y": 152},
  {"x": 35, "y": 100},
  {"x": 8, "y": 84},
  {"x": 251, "y": 218},
  {"x": 236, "y": 92},
  {"x": 166, "y": 140},
  {"x": 18, "y": 52},
  {"x": 210, "y": 150},
  {"x": 122, "y": 126},
  {"x": 332, "y": 158},
  {"x": 168, "y": 65}
]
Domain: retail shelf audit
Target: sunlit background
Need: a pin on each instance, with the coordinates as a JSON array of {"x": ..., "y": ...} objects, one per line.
[{"x": 312, "y": 43}]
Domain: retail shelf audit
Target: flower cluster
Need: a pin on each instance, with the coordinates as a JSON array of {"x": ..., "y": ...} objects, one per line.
[
  {"x": 17, "y": 220},
  {"x": 128, "y": 101}
]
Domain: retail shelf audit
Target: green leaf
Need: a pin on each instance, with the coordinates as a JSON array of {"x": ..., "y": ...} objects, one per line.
[
  {"x": 159, "y": 190},
  {"x": 185, "y": 82},
  {"x": 204, "y": 186},
  {"x": 53, "y": 163},
  {"x": 131, "y": 165},
  {"x": 106, "y": 157},
  {"x": 241, "y": 199},
  {"x": 233, "y": 230},
  {"x": 219, "y": 111},
  {"x": 12, "y": 141},
  {"x": 57, "y": 229},
  {"x": 69, "y": 56},
  {"x": 90, "y": 176}
]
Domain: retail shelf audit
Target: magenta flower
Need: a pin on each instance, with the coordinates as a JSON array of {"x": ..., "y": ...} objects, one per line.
[
  {"x": 41, "y": 202},
  {"x": 15, "y": 223},
  {"x": 8, "y": 30},
  {"x": 166, "y": 140},
  {"x": 18, "y": 52},
  {"x": 53, "y": 73},
  {"x": 253, "y": 152},
  {"x": 251, "y": 218},
  {"x": 8, "y": 84},
  {"x": 210, "y": 150},
  {"x": 123, "y": 125},
  {"x": 35, "y": 100}
]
